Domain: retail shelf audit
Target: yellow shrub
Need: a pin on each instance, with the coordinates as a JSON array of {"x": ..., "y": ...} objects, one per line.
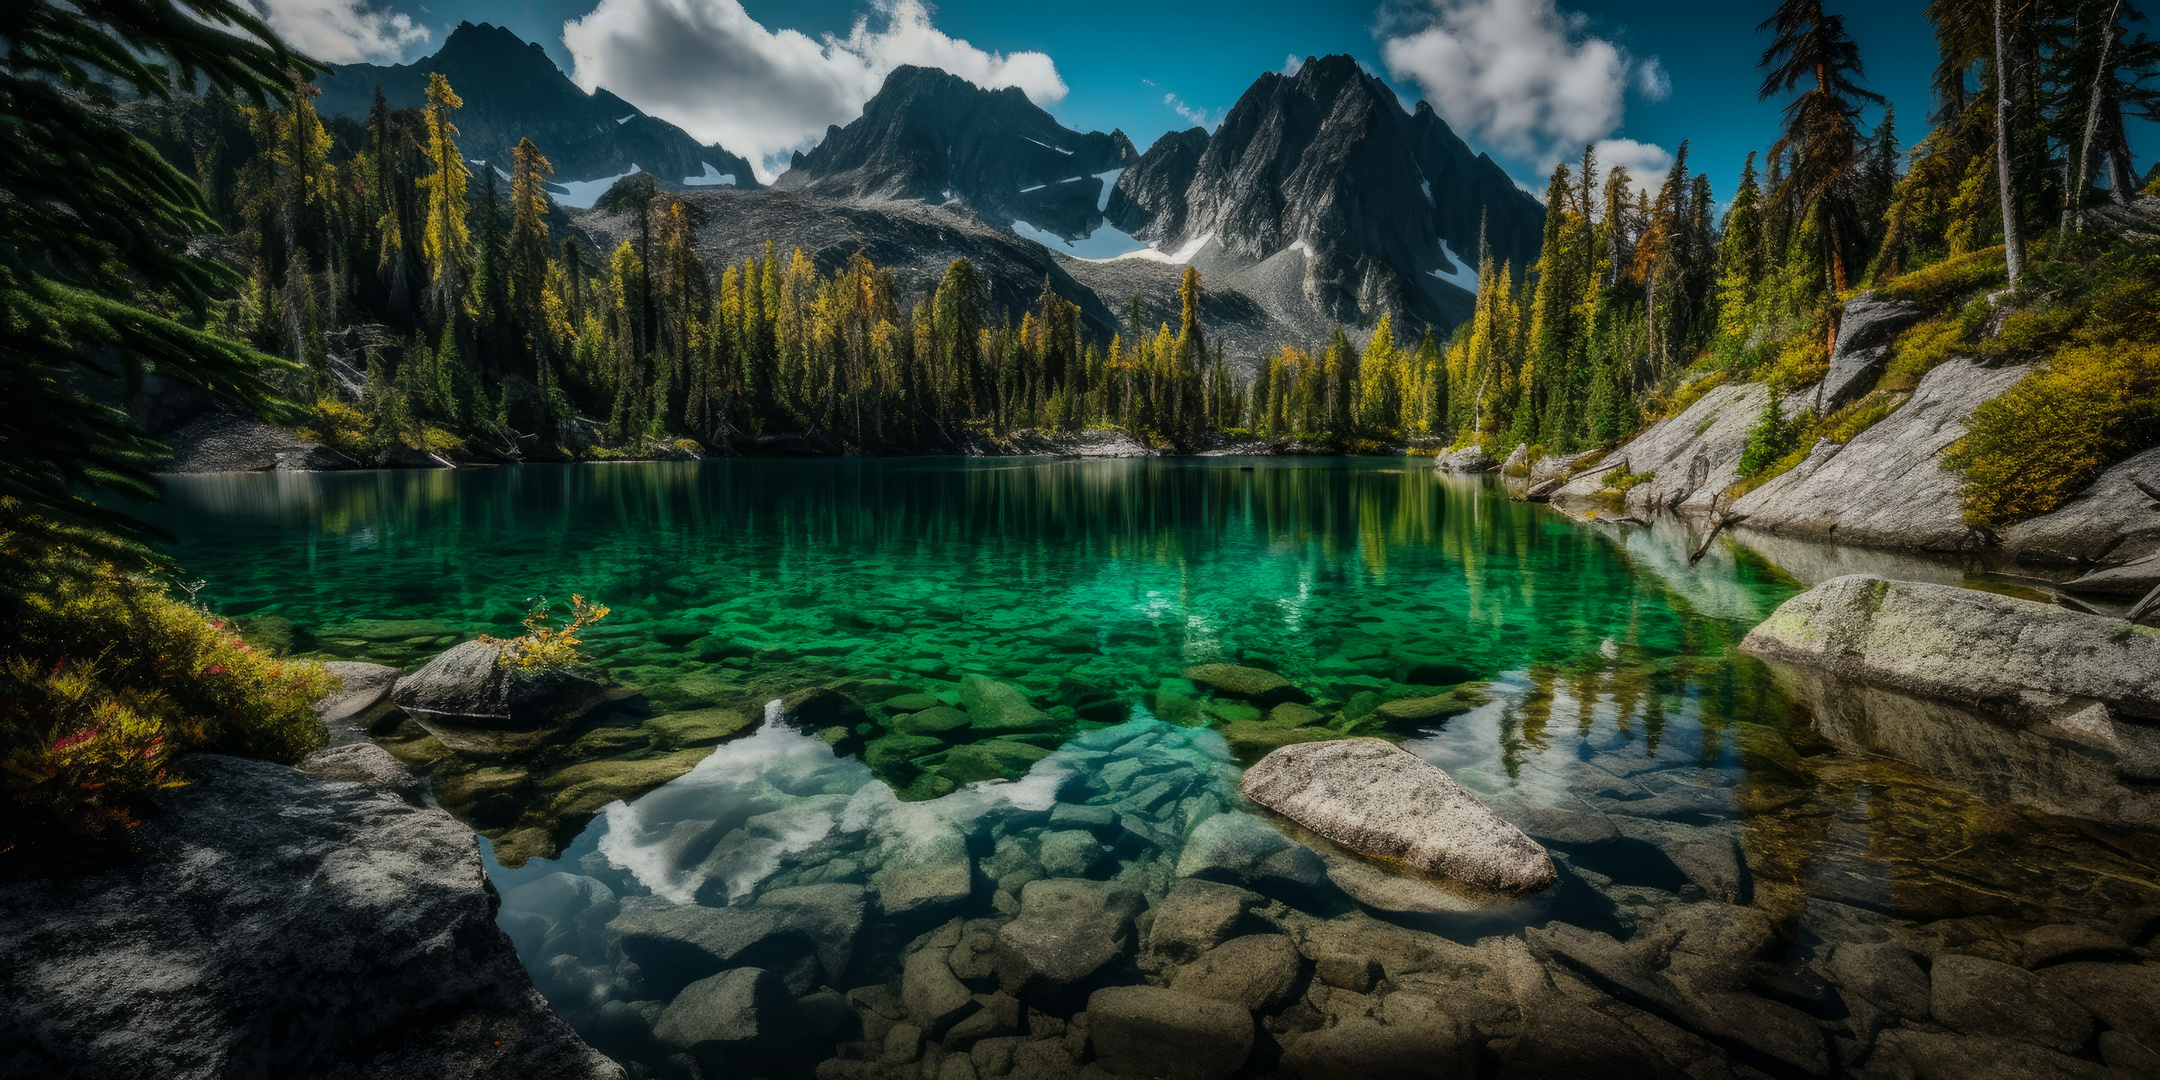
[
  {"x": 105, "y": 679},
  {"x": 2053, "y": 433},
  {"x": 543, "y": 646},
  {"x": 1954, "y": 277},
  {"x": 1920, "y": 350},
  {"x": 340, "y": 427}
]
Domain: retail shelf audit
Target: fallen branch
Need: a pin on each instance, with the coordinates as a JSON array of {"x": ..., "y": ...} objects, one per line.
[
  {"x": 2148, "y": 489},
  {"x": 2145, "y": 606},
  {"x": 1704, "y": 549}
]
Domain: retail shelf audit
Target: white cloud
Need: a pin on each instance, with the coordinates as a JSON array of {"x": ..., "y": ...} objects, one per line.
[
  {"x": 710, "y": 68},
  {"x": 1646, "y": 163},
  {"x": 1291, "y": 65},
  {"x": 1522, "y": 75},
  {"x": 1195, "y": 117},
  {"x": 341, "y": 31}
]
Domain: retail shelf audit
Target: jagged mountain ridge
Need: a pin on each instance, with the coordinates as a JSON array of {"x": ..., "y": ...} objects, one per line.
[
  {"x": 933, "y": 136},
  {"x": 511, "y": 91},
  {"x": 1325, "y": 164}
]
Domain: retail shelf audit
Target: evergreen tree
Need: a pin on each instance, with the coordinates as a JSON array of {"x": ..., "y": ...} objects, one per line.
[{"x": 1809, "y": 48}]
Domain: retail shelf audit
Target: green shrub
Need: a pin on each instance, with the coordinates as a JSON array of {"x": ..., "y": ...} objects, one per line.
[
  {"x": 1621, "y": 479},
  {"x": 1951, "y": 279},
  {"x": 1773, "y": 436},
  {"x": 105, "y": 679},
  {"x": 341, "y": 428},
  {"x": 2057, "y": 429}
]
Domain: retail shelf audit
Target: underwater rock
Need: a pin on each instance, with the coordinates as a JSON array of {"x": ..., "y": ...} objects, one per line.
[
  {"x": 1150, "y": 1031},
  {"x": 1376, "y": 798},
  {"x": 934, "y": 997},
  {"x": 991, "y": 759},
  {"x": 674, "y": 945},
  {"x": 1258, "y": 971},
  {"x": 1469, "y": 459},
  {"x": 1196, "y": 916},
  {"x": 1067, "y": 931},
  {"x": 934, "y": 719},
  {"x": 1426, "y": 710},
  {"x": 746, "y": 1005},
  {"x": 1254, "y": 685},
  {"x": 999, "y": 707},
  {"x": 1884, "y": 974},
  {"x": 1240, "y": 849},
  {"x": 268, "y": 902},
  {"x": 1977, "y": 648},
  {"x": 700, "y": 727},
  {"x": 473, "y": 703},
  {"x": 817, "y": 708},
  {"x": 1411, "y": 1039},
  {"x": 1982, "y": 997}
]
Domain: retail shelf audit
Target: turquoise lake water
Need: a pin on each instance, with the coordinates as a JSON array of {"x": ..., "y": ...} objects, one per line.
[{"x": 1599, "y": 676}]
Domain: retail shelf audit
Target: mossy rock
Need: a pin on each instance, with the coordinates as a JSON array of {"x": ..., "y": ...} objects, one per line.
[
  {"x": 1250, "y": 683},
  {"x": 586, "y": 787},
  {"x": 1171, "y": 707},
  {"x": 610, "y": 741},
  {"x": 1231, "y": 712},
  {"x": 470, "y": 786},
  {"x": 1293, "y": 714},
  {"x": 698, "y": 727},
  {"x": 1000, "y": 707},
  {"x": 990, "y": 759},
  {"x": 935, "y": 720},
  {"x": 1251, "y": 740},
  {"x": 1426, "y": 710},
  {"x": 387, "y": 630},
  {"x": 907, "y": 703},
  {"x": 892, "y": 757}
]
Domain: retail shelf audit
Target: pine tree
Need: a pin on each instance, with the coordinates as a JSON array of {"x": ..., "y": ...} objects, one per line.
[
  {"x": 445, "y": 242},
  {"x": 84, "y": 200},
  {"x": 1810, "y": 48}
]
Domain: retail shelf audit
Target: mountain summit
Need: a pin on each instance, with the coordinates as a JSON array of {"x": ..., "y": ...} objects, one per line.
[
  {"x": 513, "y": 91},
  {"x": 1325, "y": 165},
  {"x": 934, "y": 136}
]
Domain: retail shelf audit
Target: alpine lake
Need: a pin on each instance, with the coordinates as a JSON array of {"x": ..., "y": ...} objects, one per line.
[{"x": 906, "y": 759}]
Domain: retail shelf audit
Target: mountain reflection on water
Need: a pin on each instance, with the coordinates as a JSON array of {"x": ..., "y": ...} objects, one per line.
[{"x": 1603, "y": 706}]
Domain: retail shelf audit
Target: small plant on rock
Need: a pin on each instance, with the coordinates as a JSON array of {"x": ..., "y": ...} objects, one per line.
[{"x": 543, "y": 645}]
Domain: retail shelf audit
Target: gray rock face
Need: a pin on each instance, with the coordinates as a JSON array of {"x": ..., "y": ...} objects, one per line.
[
  {"x": 471, "y": 701},
  {"x": 225, "y": 442},
  {"x": 1149, "y": 198},
  {"x": 1469, "y": 459},
  {"x": 361, "y": 687},
  {"x": 365, "y": 764},
  {"x": 1695, "y": 455},
  {"x": 1150, "y": 1031},
  {"x": 276, "y": 926},
  {"x": 1977, "y": 648},
  {"x": 1870, "y": 323},
  {"x": 1887, "y": 487},
  {"x": 2111, "y": 521},
  {"x": 1373, "y": 797}
]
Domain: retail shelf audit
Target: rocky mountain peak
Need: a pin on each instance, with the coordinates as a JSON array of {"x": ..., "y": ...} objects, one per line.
[
  {"x": 1325, "y": 164},
  {"x": 932, "y": 136},
  {"x": 513, "y": 91}
]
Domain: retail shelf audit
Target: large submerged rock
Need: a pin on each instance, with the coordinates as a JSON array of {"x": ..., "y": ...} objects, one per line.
[
  {"x": 472, "y": 701},
  {"x": 1981, "y": 649},
  {"x": 1376, "y": 798},
  {"x": 276, "y": 925}
]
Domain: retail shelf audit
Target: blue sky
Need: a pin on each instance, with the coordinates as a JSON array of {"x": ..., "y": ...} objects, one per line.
[{"x": 1640, "y": 75}]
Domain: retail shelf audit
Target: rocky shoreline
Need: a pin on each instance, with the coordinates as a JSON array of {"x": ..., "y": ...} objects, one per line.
[{"x": 273, "y": 923}]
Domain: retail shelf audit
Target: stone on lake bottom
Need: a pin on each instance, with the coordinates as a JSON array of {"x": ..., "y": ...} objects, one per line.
[
  {"x": 1150, "y": 1031},
  {"x": 1378, "y": 799}
]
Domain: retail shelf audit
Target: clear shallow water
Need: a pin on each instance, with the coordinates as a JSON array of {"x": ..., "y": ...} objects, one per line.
[{"x": 1618, "y": 721}]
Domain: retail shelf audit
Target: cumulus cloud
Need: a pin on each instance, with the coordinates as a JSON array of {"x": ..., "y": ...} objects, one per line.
[
  {"x": 1522, "y": 75},
  {"x": 341, "y": 31},
  {"x": 707, "y": 66},
  {"x": 1195, "y": 117},
  {"x": 1646, "y": 163}
]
